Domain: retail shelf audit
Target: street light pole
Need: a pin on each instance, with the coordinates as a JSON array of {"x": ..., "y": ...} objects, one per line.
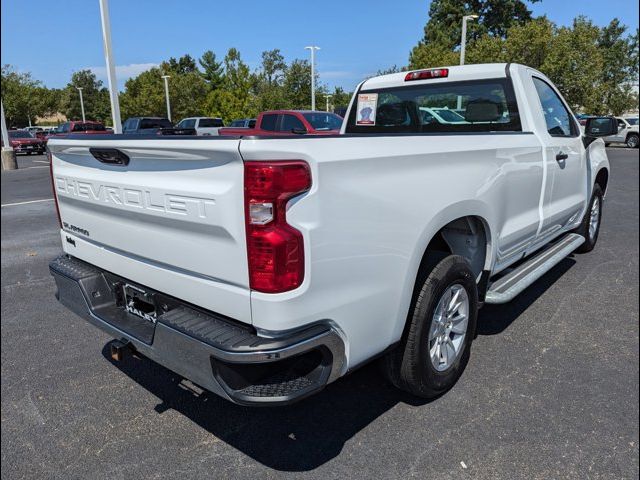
[
  {"x": 463, "y": 48},
  {"x": 81, "y": 104},
  {"x": 313, "y": 49},
  {"x": 111, "y": 69},
  {"x": 463, "y": 42},
  {"x": 166, "y": 94},
  {"x": 328, "y": 96}
]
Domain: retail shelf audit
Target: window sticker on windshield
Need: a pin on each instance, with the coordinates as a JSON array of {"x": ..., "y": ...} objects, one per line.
[{"x": 366, "y": 112}]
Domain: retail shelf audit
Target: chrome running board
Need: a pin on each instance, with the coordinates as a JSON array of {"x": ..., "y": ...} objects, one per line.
[{"x": 506, "y": 288}]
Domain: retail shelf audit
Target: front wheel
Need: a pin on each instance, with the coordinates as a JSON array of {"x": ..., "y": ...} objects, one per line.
[
  {"x": 632, "y": 141},
  {"x": 436, "y": 345},
  {"x": 590, "y": 226}
]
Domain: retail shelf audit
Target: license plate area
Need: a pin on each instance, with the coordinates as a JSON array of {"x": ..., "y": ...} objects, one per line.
[{"x": 138, "y": 302}]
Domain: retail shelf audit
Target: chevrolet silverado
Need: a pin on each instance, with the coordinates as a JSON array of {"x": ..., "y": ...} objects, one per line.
[{"x": 263, "y": 268}]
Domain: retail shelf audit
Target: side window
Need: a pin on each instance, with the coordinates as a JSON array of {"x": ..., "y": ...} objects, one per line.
[
  {"x": 621, "y": 125},
  {"x": 291, "y": 122},
  {"x": 556, "y": 115},
  {"x": 269, "y": 122},
  {"x": 188, "y": 123},
  {"x": 252, "y": 124},
  {"x": 130, "y": 124}
]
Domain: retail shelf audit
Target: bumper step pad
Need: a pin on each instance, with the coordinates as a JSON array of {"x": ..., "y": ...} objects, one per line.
[{"x": 215, "y": 352}]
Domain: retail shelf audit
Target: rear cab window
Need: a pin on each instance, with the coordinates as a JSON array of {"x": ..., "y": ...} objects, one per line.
[
  {"x": 269, "y": 122},
  {"x": 154, "y": 123},
  {"x": 447, "y": 107},
  {"x": 210, "y": 123}
]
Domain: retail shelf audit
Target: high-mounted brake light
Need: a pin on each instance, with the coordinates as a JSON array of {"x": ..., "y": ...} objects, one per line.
[
  {"x": 275, "y": 249},
  {"x": 53, "y": 187},
  {"x": 425, "y": 74}
]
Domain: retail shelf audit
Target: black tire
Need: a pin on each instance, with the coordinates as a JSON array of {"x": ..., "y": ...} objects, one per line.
[
  {"x": 632, "y": 141},
  {"x": 590, "y": 239},
  {"x": 409, "y": 367}
]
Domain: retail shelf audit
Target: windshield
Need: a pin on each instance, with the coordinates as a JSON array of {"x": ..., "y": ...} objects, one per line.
[
  {"x": 449, "y": 115},
  {"x": 632, "y": 121},
  {"x": 323, "y": 121},
  {"x": 20, "y": 134}
]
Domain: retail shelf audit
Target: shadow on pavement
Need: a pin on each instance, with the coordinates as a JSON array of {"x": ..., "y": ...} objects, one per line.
[
  {"x": 495, "y": 319},
  {"x": 305, "y": 435}
]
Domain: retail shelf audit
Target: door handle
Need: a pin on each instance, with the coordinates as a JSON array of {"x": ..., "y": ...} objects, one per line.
[{"x": 561, "y": 157}]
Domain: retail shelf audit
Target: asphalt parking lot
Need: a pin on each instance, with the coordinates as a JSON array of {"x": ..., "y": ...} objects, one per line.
[{"x": 551, "y": 390}]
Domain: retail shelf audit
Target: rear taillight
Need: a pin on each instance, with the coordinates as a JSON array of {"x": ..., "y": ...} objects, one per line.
[
  {"x": 275, "y": 249},
  {"x": 53, "y": 187},
  {"x": 426, "y": 74}
]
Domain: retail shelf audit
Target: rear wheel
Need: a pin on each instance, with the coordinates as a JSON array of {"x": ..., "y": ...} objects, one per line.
[
  {"x": 436, "y": 345},
  {"x": 590, "y": 226},
  {"x": 632, "y": 141}
]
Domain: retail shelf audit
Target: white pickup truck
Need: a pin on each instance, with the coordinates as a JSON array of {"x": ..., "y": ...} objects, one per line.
[
  {"x": 264, "y": 268},
  {"x": 205, "y": 126}
]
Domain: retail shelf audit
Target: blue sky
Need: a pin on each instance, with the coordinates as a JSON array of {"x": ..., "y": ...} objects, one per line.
[{"x": 53, "y": 39}]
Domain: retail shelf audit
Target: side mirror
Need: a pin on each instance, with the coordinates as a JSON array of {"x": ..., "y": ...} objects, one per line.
[
  {"x": 600, "y": 127},
  {"x": 299, "y": 131}
]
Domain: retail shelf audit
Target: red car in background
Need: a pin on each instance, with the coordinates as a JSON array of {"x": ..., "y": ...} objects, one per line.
[
  {"x": 88, "y": 128},
  {"x": 288, "y": 122},
  {"x": 23, "y": 142}
]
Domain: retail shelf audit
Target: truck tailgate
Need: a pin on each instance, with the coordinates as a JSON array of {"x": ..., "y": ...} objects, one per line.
[{"x": 174, "y": 214}]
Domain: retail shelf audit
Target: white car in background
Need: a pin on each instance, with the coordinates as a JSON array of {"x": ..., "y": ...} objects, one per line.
[
  {"x": 204, "y": 126},
  {"x": 442, "y": 115},
  {"x": 627, "y": 133}
]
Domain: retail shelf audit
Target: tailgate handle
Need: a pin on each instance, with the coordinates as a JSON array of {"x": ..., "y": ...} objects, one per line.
[{"x": 111, "y": 156}]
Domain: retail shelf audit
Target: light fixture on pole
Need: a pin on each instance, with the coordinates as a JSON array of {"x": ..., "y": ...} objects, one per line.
[
  {"x": 111, "y": 69},
  {"x": 81, "y": 103},
  {"x": 166, "y": 94},
  {"x": 313, "y": 49},
  {"x": 463, "y": 42}
]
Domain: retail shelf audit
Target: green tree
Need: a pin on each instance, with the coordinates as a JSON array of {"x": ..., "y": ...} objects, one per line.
[
  {"x": 297, "y": 85},
  {"x": 94, "y": 95},
  {"x": 233, "y": 100},
  {"x": 340, "y": 98},
  {"x": 268, "y": 82},
  {"x": 573, "y": 63},
  {"x": 495, "y": 17},
  {"x": 23, "y": 97},
  {"x": 144, "y": 95},
  {"x": 185, "y": 64},
  {"x": 212, "y": 69},
  {"x": 620, "y": 68}
]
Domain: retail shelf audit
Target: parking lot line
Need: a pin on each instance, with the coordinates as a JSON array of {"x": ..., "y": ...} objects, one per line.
[{"x": 28, "y": 201}]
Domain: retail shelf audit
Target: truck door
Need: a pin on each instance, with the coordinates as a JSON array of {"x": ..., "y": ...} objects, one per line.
[{"x": 565, "y": 190}]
